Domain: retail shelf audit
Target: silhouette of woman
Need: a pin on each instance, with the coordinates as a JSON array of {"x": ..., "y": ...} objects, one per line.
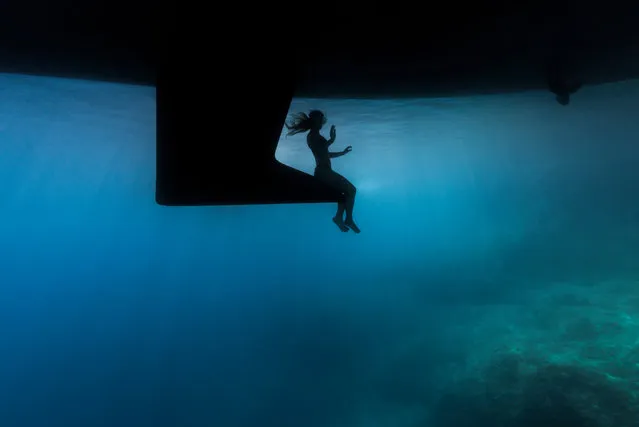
[{"x": 312, "y": 123}]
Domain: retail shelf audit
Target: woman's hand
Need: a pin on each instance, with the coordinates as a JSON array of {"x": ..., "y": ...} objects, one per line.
[
  {"x": 348, "y": 149},
  {"x": 333, "y": 134}
]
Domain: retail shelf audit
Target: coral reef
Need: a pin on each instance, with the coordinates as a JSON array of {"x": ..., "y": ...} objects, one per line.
[
  {"x": 568, "y": 363},
  {"x": 514, "y": 395}
]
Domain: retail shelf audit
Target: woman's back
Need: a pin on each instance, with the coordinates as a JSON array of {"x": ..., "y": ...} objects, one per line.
[{"x": 319, "y": 147}]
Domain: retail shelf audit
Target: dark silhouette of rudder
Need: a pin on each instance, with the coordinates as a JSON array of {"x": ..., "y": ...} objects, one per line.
[
  {"x": 560, "y": 83},
  {"x": 313, "y": 123}
]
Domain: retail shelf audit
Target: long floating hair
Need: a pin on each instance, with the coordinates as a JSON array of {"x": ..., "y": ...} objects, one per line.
[{"x": 301, "y": 122}]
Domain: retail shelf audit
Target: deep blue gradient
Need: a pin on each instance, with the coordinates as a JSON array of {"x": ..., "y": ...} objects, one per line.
[{"x": 115, "y": 311}]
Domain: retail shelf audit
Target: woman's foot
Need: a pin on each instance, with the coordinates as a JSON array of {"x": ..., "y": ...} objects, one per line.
[
  {"x": 338, "y": 221},
  {"x": 351, "y": 224}
]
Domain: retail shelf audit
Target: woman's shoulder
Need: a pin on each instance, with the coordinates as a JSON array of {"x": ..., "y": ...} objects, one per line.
[{"x": 315, "y": 138}]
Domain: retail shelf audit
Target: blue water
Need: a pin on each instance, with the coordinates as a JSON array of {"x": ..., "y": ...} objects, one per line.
[{"x": 498, "y": 233}]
